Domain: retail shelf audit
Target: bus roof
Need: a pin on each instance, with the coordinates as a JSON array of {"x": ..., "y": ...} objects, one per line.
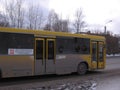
[{"x": 50, "y": 33}]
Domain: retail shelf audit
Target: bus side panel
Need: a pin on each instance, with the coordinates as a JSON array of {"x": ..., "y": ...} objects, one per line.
[
  {"x": 67, "y": 63},
  {"x": 15, "y": 66}
]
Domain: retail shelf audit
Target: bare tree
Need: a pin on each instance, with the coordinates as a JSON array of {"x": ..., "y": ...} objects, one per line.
[
  {"x": 35, "y": 17},
  {"x": 112, "y": 43},
  {"x": 15, "y": 12},
  {"x": 65, "y": 25},
  {"x": 47, "y": 27},
  {"x": 61, "y": 26},
  {"x": 3, "y": 21},
  {"x": 10, "y": 11},
  {"x": 79, "y": 23},
  {"x": 51, "y": 20},
  {"x": 55, "y": 23},
  {"x": 20, "y": 13}
]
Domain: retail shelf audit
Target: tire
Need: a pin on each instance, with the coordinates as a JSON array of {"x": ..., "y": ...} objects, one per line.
[{"x": 82, "y": 69}]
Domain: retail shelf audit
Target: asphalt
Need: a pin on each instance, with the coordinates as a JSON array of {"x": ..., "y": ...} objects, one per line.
[{"x": 107, "y": 79}]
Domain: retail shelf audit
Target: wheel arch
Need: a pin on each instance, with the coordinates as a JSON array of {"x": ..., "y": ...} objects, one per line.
[
  {"x": 84, "y": 71},
  {"x": 85, "y": 63}
]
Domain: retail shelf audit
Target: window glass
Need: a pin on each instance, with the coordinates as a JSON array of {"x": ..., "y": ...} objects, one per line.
[
  {"x": 15, "y": 41},
  {"x": 82, "y": 46},
  {"x": 50, "y": 50},
  {"x": 70, "y": 45},
  {"x": 65, "y": 45},
  {"x": 39, "y": 49},
  {"x": 94, "y": 51},
  {"x": 101, "y": 52}
]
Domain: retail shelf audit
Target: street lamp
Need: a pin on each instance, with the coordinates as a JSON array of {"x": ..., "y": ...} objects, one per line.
[{"x": 105, "y": 28}]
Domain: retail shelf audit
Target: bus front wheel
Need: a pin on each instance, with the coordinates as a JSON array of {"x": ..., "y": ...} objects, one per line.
[{"x": 82, "y": 69}]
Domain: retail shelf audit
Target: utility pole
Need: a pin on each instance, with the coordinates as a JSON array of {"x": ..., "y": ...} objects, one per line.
[{"x": 105, "y": 27}]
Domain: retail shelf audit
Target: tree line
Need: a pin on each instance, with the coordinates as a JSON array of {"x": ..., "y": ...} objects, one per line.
[
  {"x": 32, "y": 17},
  {"x": 112, "y": 41},
  {"x": 17, "y": 15}
]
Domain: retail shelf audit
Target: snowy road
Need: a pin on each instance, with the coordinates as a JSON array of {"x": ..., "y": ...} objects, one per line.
[
  {"x": 108, "y": 79},
  {"x": 111, "y": 79}
]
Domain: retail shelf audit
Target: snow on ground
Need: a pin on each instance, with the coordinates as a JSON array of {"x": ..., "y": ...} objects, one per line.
[
  {"x": 111, "y": 55},
  {"x": 86, "y": 85}
]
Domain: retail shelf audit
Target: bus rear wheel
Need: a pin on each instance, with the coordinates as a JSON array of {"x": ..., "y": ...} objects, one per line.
[{"x": 82, "y": 69}]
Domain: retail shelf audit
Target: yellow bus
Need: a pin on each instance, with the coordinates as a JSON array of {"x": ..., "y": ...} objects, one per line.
[{"x": 37, "y": 52}]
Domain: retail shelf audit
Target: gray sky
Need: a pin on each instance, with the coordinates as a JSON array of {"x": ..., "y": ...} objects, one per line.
[{"x": 97, "y": 12}]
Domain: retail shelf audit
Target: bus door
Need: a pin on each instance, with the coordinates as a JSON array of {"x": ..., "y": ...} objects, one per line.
[
  {"x": 50, "y": 56},
  {"x": 44, "y": 56},
  {"x": 97, "y": 55},
  {"x": 94, "y": 56},
  {"x": 101, "y": 52}
]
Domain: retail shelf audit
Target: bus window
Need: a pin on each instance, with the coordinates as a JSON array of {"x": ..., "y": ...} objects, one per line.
[
  {"x": 94, "y": 51},
  {"x": 101, "y": 52},
  {"x": 39, "y": 49},
  {"x": 15, "y": 41},
  {"x": 67, "y": 45},
  {"x": 50, "y": 50},
  {"x": 85, "y": 45}
]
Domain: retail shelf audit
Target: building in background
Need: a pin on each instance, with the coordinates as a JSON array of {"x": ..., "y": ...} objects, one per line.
[{"x": 112, "y": 41}]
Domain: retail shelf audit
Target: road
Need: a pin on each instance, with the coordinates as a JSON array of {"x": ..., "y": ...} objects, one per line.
[
  {"x": 111, "y": 78},
  {"x": 108, "y": 79}
]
